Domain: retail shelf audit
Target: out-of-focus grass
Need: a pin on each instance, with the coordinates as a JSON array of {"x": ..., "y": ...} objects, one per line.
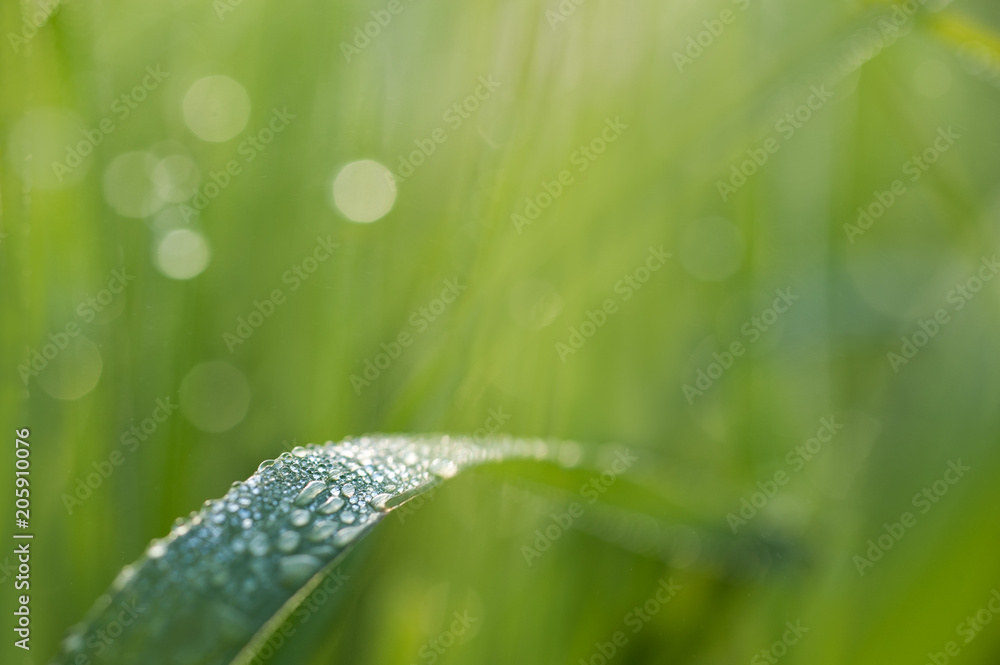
[{"x": 656, "y": 185}]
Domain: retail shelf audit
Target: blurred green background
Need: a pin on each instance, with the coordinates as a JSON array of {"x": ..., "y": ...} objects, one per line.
[{"x": 154, "y": 102}]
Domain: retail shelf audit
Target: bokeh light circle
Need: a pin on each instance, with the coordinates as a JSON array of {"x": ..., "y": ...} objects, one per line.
[
  {"x": 128, "y": 185},
  {"x": 74, "y": 371},
  {"x": 175, "y": 178},
  {"x": 364, "y": 191},
  {"x": 216, "y": 108},
  {"x": 214, "y": 396},
  {"x": 182, "y": 254}
]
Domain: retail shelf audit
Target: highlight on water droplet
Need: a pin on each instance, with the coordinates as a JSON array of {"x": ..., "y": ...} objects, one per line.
[
  {"x": 287, "y": 541},
  {"x": 312, "y": 490},
  {"x": 294, "y": 570},
  {"x": 348, "y": 534},
  {"x": 331, "y": 505},
  {"x": 444, "y": 468},
  {"x": 379, "y": 501},
  {"x": 259, "y": 545},
  {"x": 364, "y": 191},
  {"x": 300, "y": 517},
  {"x": 322, "y": 530}
]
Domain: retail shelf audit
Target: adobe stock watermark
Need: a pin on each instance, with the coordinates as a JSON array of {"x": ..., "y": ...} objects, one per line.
[
  {"x": 957, "y": 298},
  {"x": 366, "y": 34},
  {"x": 420, "y": 321},
  {"x": 924, "y": 500},
  {"x": 591, "y": 491},
  {"x": 914, "y": 168},
  {"x": 454, "y": 117},
  {"x": 294, "y": 278},
  {"x": 434, "y": 648},
  {"x": 626, "y": 287},
  {"x": 636, "y": 619},
  {"x": 752, "y": 330},
  {"x": 968, "y": 629},
  {"x": 32, "y": 23},
  {"x": 38, "y": 359},
  {"x": 97, "y": 643},
  {"x": 786, "y": 127},
  {"x": 249, "y": 148},
  {"x": 122, "y": 108},
  {"x": 878, "y": 34},
  {"x": 495, "y": 420},
  {"x": 131, "y": 439},
  {"x": 701, "y": 42},
  {"x": 796, "y": 460},
  {"x": 772, "y": 654},
  {"x": 562, "y": 12},
  {"x": 333, "y": 583},
  {"x": 580, "y": 160}
]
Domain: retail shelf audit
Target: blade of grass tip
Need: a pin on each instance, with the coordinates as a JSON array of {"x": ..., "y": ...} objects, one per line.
[
  {"x": 212, "y": 586},
  {"x": 681, "y": 542}
]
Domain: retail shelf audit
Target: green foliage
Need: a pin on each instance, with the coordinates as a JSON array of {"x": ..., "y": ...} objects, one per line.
[{"x": 462, "y": 310}]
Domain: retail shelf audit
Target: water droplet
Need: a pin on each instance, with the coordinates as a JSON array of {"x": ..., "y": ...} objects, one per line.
[
  {"x": 288, "y": 541},
  {"x": 258, "y": 545},
  {"x": 309, "y": 492},
  {"x": 73, "y": 642},
  {"x": 347, "y": 517},
  {"x": 126, "y": 574},
  {"x": 570, "y": 453},
  {"x": 444, "y": 468},
  {"x": 266, "y": 463},
  {"x": 156, "y": 550},
  {"x": 300, "y": 517},
  {"x": 379, "y": 500},
  {"x": 294, "y": 570},
  {"x": 347, "y": 490},
  {"x": 345, "y": 536},
  {"x": 332, "y": 505},
  {"x": 322, "y": 531}
]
